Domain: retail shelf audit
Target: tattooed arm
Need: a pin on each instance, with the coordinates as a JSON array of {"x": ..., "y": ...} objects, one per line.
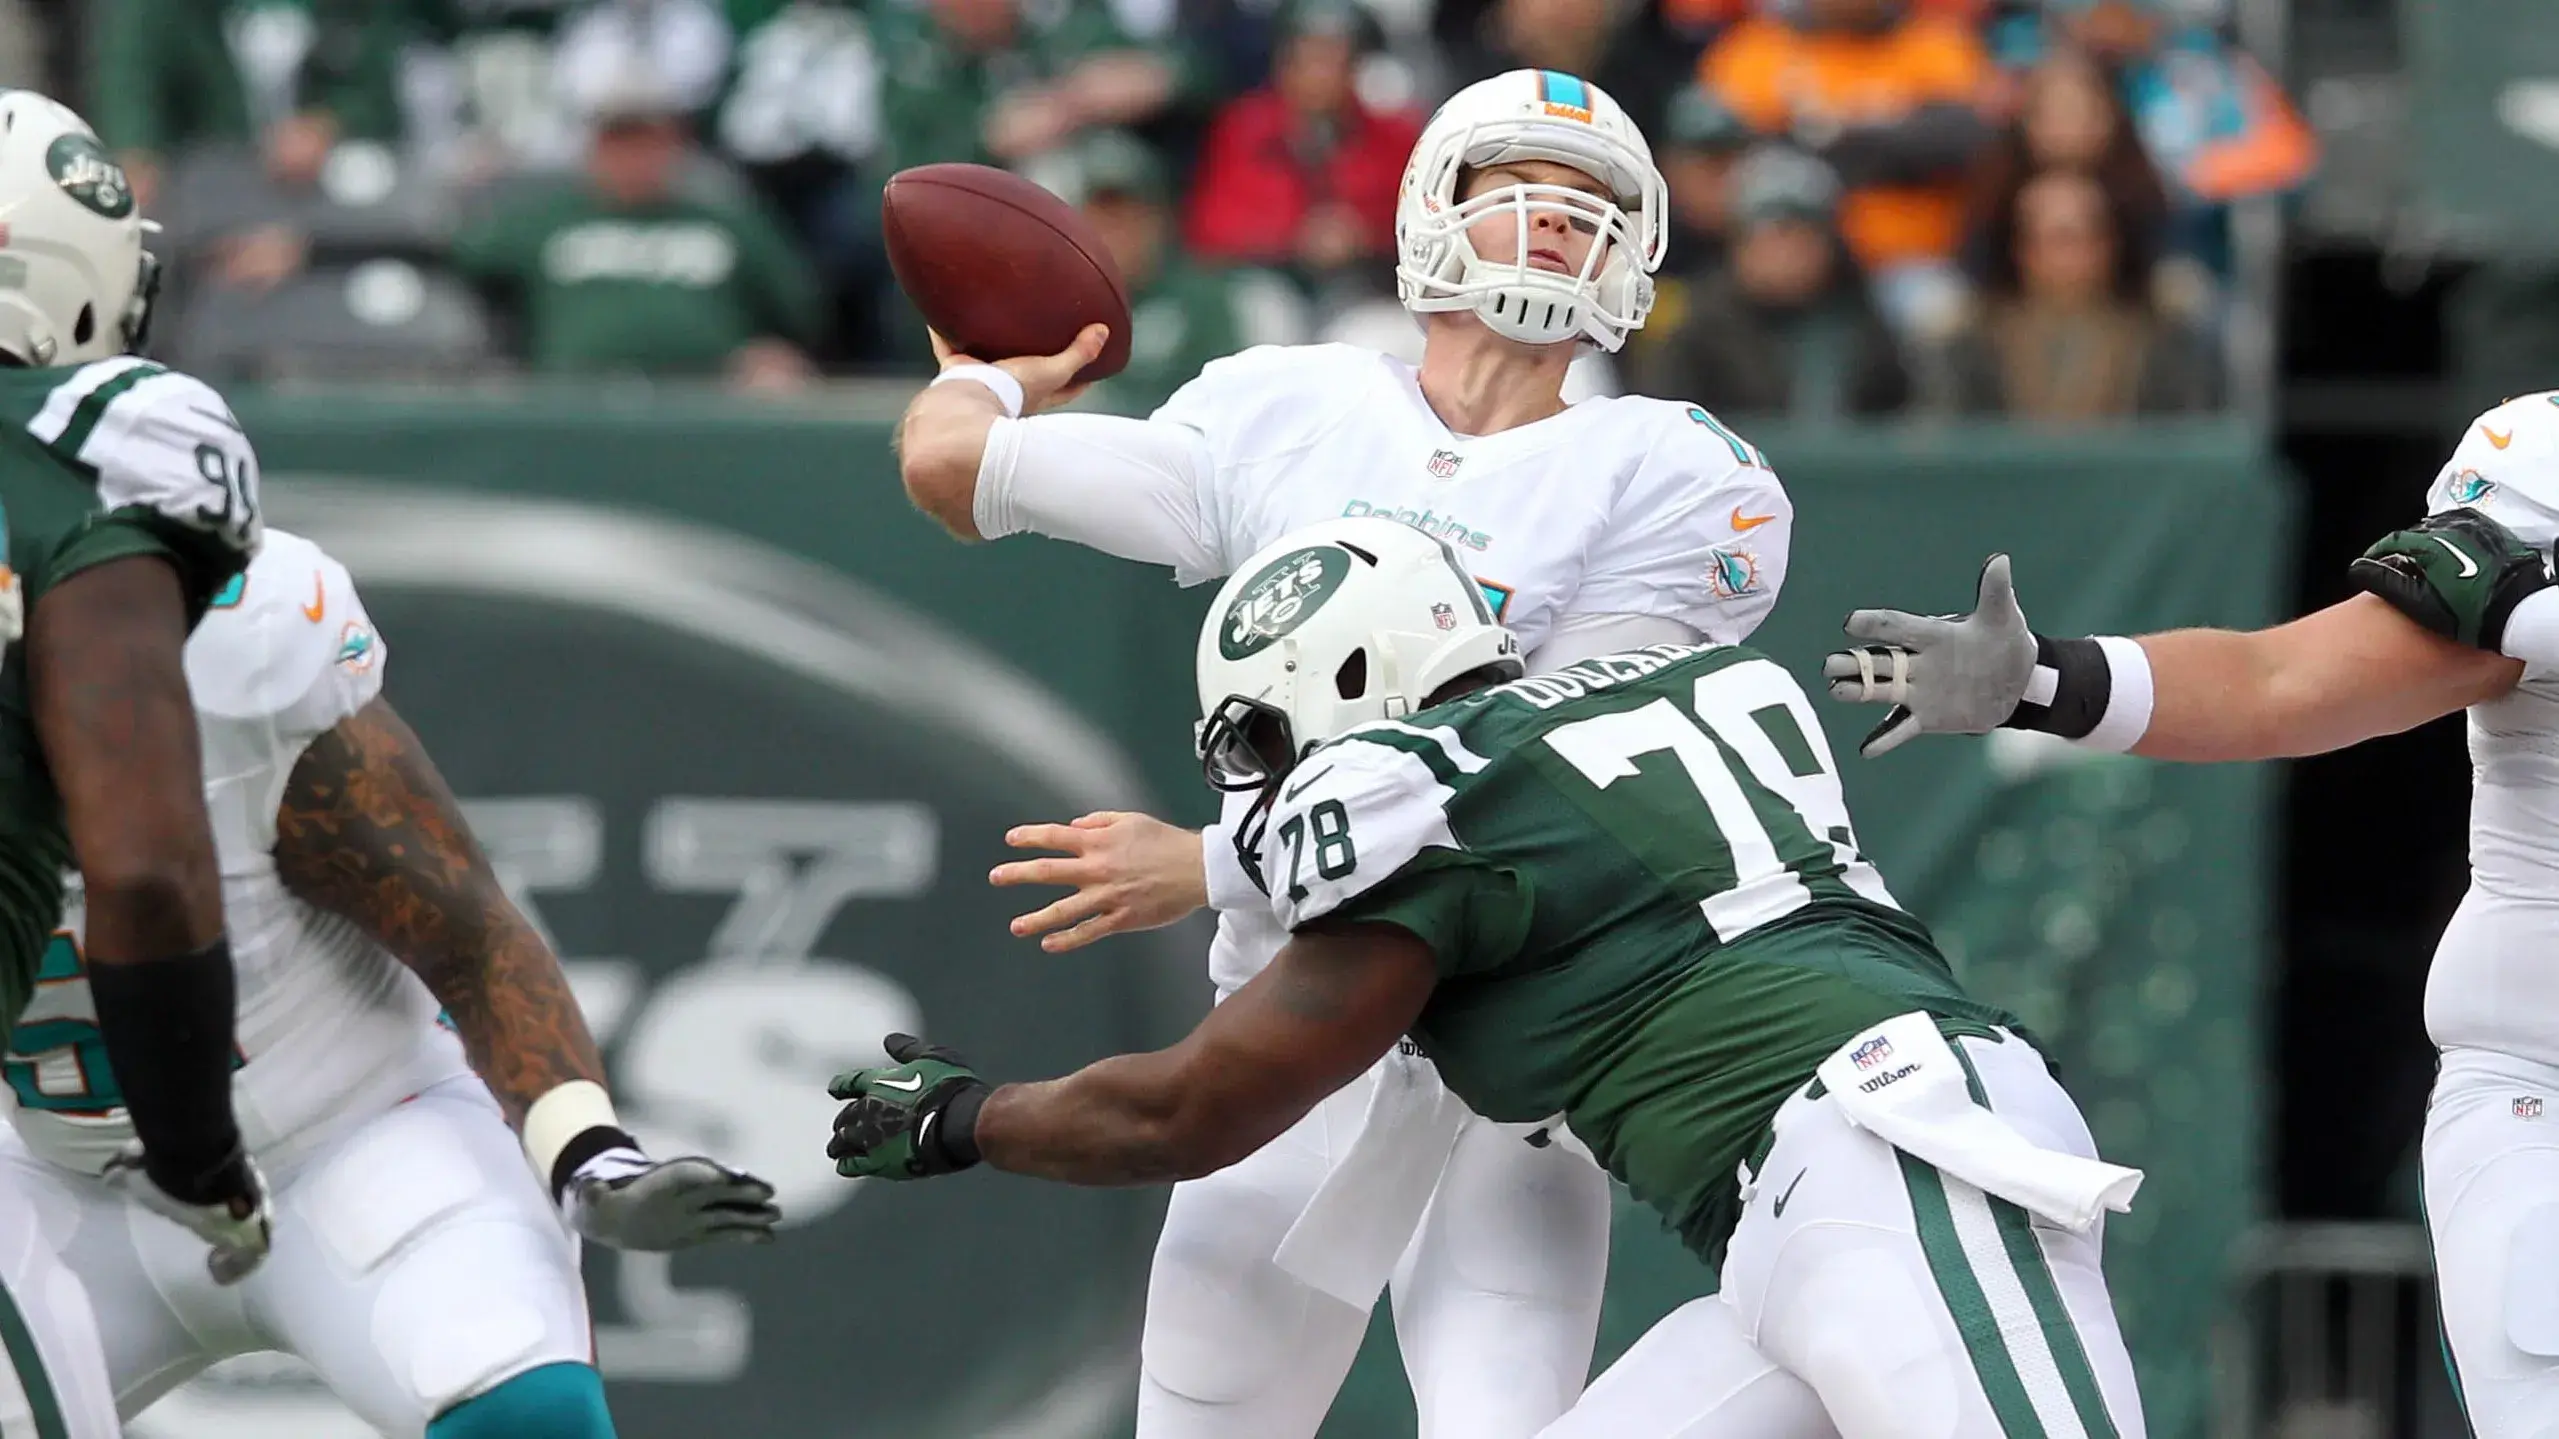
[
  {"x": 369, "y": 831},
  {"x": 1333, "y": 1001}
]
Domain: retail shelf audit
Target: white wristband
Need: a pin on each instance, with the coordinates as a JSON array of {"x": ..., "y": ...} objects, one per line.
[
  {"x": 562, "y": 1114},
  {"x": 1008, "y": 391},
  {"x": 2128, "y": 697}
]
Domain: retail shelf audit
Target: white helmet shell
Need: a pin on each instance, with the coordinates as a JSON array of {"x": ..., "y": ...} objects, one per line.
[
  {"x": 74, "y": 282},
  {"x": 1533, "y": 115},
  {"x": 1337, "y": 624}
]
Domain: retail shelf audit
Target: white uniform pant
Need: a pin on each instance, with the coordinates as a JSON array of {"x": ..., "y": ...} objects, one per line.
[
  {"x": 1496, "y": 1300},
  {"x": 2492, "y": 1210},
  {"x": 417, "y": 1264},
  {"x": 1868, "y": 1296},
  {"x": 53, "y": 1375}
]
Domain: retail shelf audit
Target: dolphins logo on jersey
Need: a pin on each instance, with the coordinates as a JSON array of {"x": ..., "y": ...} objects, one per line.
[
  {"x": 1732, "y": 572},
  {"x": 2469, "y": 487},
  {"x": 1280, "y": 598},
  {"x": 355, "y": 647}
]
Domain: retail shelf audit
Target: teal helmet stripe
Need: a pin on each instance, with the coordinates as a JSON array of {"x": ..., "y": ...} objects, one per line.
[{"x": 1557, "y": 88}]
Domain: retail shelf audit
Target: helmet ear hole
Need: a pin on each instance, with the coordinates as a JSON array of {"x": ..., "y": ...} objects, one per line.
[
  {"x": 85, "y": 328},
  {"x": 1351, "y": 680}
]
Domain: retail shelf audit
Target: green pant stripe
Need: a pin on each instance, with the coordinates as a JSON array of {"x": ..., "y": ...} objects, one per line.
[
  {"x": 1965, "y": 1301},
  {"x": 93, "y": 408},
  {"x": 29, "y": 1362},
  {"x": 2443, "y": 1335},
  {"x": 2035, "y": 1274}
]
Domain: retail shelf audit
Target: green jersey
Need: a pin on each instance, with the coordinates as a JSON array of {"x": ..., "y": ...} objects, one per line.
[
  {"x": 1646, "y": 901},
  {"x": 98, "y": 462}
]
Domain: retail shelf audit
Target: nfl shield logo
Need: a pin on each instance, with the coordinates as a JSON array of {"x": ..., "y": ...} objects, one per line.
[
  {"x": 2528, "y": 1107},
  {"x": 1444, "y": 616},
  {"x": 1444, "y": 463},
  {"x": 1873, "y": 1052}
]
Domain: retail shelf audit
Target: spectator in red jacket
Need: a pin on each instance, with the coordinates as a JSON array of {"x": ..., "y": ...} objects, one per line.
[{"x": 1300, "y": 173}]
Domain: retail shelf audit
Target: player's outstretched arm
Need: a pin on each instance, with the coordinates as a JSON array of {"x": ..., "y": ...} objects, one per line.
[
  {"x": 2351, "y": 672},
  {"x": 1130, "y": 872},
  {"x": 368, "y": 830},
  {"x": 941, "y": 439},
  {"x": 1335, "y": 999},
  {"x": 105, "y": 652}
]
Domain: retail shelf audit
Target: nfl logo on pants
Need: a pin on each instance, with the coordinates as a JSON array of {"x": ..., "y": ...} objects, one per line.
[{"x": 1871, "y": 1053}]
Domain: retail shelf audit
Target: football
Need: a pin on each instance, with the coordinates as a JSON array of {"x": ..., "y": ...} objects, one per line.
[{"x": 1001, "y": 268}]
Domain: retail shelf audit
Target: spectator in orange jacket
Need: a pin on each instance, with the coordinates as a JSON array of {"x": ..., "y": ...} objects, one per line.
[
  {"x": 1300, "y": 173},
  {"x": 1889, "y": 96}
]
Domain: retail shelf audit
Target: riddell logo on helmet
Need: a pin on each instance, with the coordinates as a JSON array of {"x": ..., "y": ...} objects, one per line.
[{"x": 1568, "y": 112}]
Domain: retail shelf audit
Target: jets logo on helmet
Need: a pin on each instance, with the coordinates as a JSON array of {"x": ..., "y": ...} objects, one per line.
[
  {"x": 1279, "y": 597},
  {"x": 1339, "y": 624},
  {"x": 81, "y": 167},
  {"x": 80, "y": 285},
  {"x": 1533, "y": 115}
]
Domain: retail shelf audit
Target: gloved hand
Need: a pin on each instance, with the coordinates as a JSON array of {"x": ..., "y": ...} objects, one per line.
[
  {"x": 2459, "y": 574},
  {"x": 240, "y": 1226},
  {"x": 1942, "y": 675},
  {"x": 623, "y": 1199},
  {"x": 909, "y": 1120}
]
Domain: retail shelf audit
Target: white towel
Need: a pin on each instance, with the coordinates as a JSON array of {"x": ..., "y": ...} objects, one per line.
[
  {"x": 1364, "y": 1213},
  {"x": 1901, "y": 1082}
]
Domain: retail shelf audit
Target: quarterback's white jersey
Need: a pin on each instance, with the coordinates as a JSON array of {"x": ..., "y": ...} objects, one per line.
[
  {"x": 329, "y": 1023},
  {"x": 1620, "y": 505},
  {"x": 2495, "y": 980},
  {"x": 1617, "y": 506}
]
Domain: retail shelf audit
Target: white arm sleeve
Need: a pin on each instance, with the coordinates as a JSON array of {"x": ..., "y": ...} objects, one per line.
[
  {"x": 1129, "y": 488},
  {"x": 1578, "y": 637}
]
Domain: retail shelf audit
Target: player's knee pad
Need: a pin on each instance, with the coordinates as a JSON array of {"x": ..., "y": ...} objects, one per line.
[{"x": 555, "y": 1401}]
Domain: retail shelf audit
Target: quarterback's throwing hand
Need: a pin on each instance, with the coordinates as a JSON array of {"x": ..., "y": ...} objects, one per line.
[
  {"x": 1941, "y": 675},
  {"x": 1130, "y": 872},
  {"x": 910, "y": 1119},
  {"x": 239, "y": 1227},
  {"x": 623, "y": 1199}
]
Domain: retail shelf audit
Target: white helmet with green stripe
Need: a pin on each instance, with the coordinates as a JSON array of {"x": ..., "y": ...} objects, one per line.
[
  {"x": 1533, "y": 115},
  {"x": 1336, "y": 625},
  {"x": 75, "y": 282}
]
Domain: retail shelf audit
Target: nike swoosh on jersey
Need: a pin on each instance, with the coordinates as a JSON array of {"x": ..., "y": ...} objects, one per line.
[
  {"x": 1743, "y": 524},
  {"x": 319, "y": 605},
  {"x": 2469, "y": 566},
  {"x": 1299, "y": 788},
  {"x": 1778, "y": 1210},
  {"x": 913, "y": 1083},
  {"x": 2500, "y": 441}
]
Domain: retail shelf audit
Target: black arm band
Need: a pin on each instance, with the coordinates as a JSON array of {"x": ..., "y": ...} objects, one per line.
[
  {"x": 2077, "y": 682},
  {"x": 582, "y": 1146},
  {"x": 167, "y": 1027},
  {"x": 955, "y": 1134}
]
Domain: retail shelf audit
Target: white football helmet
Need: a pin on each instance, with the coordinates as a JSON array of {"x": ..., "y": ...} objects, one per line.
[
  {"x": 1338, "y": 624},
  {"x": 75, "y": 283},
  {"x": 1533, "y": 115}
]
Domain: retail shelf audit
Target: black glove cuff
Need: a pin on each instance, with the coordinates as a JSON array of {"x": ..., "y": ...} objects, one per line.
[
  {"x": 955, "y": 1130},
  {"x": 2081, "y": 682},
  {"x": 166, "y": 1024},
  {"x": 582, "y": 1146}
]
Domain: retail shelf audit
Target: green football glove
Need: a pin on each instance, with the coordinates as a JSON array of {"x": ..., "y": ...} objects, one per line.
[
  {"x": 2459, "y": 574},
  {"x": 910, "y": 1120}
]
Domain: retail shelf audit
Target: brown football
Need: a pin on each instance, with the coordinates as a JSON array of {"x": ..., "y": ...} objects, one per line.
[{"x": 1000, "y": 267}]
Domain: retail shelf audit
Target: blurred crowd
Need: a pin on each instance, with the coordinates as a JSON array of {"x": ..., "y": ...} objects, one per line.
[{"x": 1882, "y": 206}]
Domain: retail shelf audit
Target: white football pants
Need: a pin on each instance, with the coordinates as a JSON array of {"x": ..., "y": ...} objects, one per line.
[
  {"x": 417, "y": 1264},
  {"x": 1866, "y": 1295},
  {"x": 1496, "y": 1300},
  {"x": 2491, "y": 1164},
  {"x": 53, "y": 1374}
]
